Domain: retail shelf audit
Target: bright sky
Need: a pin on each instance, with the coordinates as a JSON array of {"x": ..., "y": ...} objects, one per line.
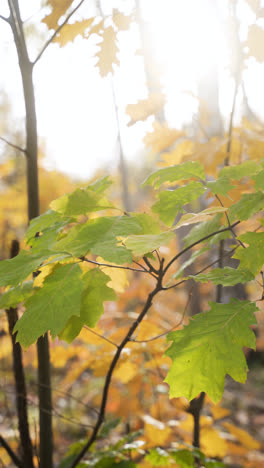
[{"x": 75, "y": 107}]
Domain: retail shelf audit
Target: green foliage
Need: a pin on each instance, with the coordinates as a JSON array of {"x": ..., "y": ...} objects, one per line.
[
  {"x": 226, "y": 276},
  {"x": 183, "y": 171},
  {"x": 172, "y": 202},
  {"x": 252, "y": 257},
  {"x": 247, "y": 206},
  {"x": 14, "y": 296},
  {"x": 140, "y": 245},
  {"x": 245, "y": 169},
  {"x": 209, "y": 348},
  {"x": 220, "y": 186}
]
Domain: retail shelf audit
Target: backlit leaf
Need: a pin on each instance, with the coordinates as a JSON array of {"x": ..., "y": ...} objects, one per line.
[
  {"x": 162, "y": 137},
  {"x": 70, "y": 31},
  {"x": 209, "y": 348},
  {"x": 107, "y": 55},
  {"x": 226, "y": 276},
  {"x": 144, "y": 108},
  {"x": 121, "y": 21},
  {"x": 239, "y": 171},
  {"x": 142, "y": 244},
  {"x": 52, "y": 305},
  {"x": 247, "y": 206},
  {"x": 182, "y": 171},
  {"x": 255, "y": 41},
  {"x": 259, "y": 180},
  {"x": 14, "y": 296},
  {"x": 81, "y": 201},
  {"x": 251, "y": 258},
  {"x": 205, "y": 215},
  {"x": 220, "y": 186},
  {"x": 59, "y": 8},
  {"x": 171, "y": 202},
  {"x": 99, "y": 236}
]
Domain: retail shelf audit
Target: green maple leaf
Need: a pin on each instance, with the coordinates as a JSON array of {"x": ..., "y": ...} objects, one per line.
[
  {"x": 17, "y": 269},
  {"x": 209, "y": 348},
  {"x": 245, "y": 169},
  {"x": 80, "y": 202},
  {"x": 145, "y": 243},
  {"x": 14, "y": 296},
  {"x": 204, "y": 229},
  {"x": 247, "y": 206},
  {"x": 171, "y": 202},
  {"x": 51, "y": 220},
  {"x": 95, "y": 293},
  {"x": 221, "y": 186},
  {"x": 252, "y": 257},
  {"x": 226, "y": 276},
  {"x": 52, "y": 305},
  {"x": 259, "y": 180},
  {"x": 182, "y": 171},
  {"x": 99, "y": 236}
]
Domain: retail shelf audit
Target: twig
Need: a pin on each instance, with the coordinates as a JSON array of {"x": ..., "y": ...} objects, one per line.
[
  {"x": 171, "y": 329},
  {"x": 151, "y": 267},
  {"x": 229, "y": 224},
  {"x": 113, "y": 266},
  {"x": 56, "y": 32},
  {"x": 10, "y": 452},
  {"x": 7, "y": 20},
  {"x": 13, "y": 145},
  {"x": 198, "y": 242},
  {"x": 101, "y": 336},
  {"x": 113, "y": 364}
]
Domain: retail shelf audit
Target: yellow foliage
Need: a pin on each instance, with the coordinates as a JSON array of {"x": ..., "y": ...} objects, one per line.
[
  {"x": 183, "y": 149},
  {"x": 162, "y": 137},
  {"x": 121, "y": 21},
  {"x": 60, "y": 355},
  {"x": 119, "y": 280},
  {"x": 242, "y": 436},
  {"x": 212, "y": 444},
  {"x": 126, "y": 371},
  {"x": 144, "y": 108},
  {"x": 44, "y": 272},
  {"x": 59, "y": 8},
  {"x": 107, "y": 55},
  {"x": 5, "y": 346},
  {"x": 255, "y": 42},
  {"x": 70, "y": 31},
  {"x": 156, "y": 433},
  {"x": 218, "y": 412}
]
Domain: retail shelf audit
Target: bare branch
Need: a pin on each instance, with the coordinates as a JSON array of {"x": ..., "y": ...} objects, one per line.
[
  {"x": 114, "y": 266},
  {"x": 101, "y": 336},
  {"x": 49, "y": 41},
  {"x": 113, "y": 364},
  {"x": 198, "y": 242},
  {"x": 13, "y": 145},
  {"x": 7, "y": 20},
  {"x": 10, "y": 452}
]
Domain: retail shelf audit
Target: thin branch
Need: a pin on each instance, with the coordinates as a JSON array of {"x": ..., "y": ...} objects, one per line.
[
  {"x": 10, "y": 452},
  {"x": 229, "y": 224},
  {"x": 198, "y": 242},
  {"x": 113, "y": 364},
  {"x": 7, "y": 20},
  {"x": 13, "y": 145},
  {"x": 113, "y": 266},
  {"x": 49, "y": 41},
  {"x": 171, "y": 329},
  {"x": 101, "y": 336},
  {"x": 151, "y": 267}
]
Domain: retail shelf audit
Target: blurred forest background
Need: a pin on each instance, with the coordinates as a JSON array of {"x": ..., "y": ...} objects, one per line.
[{"x": 125, "y": 87}]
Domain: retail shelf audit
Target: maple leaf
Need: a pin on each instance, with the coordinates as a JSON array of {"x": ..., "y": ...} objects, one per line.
[
  {"x": 255, "y": 42},
  {"x": 70, "y": 31},
  {"x": 59, "y": 8},
  {"x": 107, "y": 55},
  {"x": 121, "y": 21},
  {"x": 161, "y": 137},
  {"x": 144, "y": 108},
  {"x": 209, "y": 348}
]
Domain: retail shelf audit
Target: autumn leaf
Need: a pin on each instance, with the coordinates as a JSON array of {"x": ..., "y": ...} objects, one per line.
[
  {"x": 255, "y": 42},
  {"x": 107, "y": 55},
  {"x": 70, "y": 31},
  {"x": 144, "y": 108},
  {"x": 59, "y": 8},
  {"x": 161, "y": 137},
  {"x": 121, "y": 21}
]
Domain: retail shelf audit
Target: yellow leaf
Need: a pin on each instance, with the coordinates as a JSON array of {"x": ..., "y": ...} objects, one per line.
[
  {"x": 183, "y": 149},
  {"x": 212, "y": 444},
  {"x": 59, "y": 8},
  {"x": 44, "y": 271},
  {"x": 218, "y": 412},
  {"x": 107, "y": 55},
  {"x": 156, "y": 432},
  {"x": 147, "y": 330},
  {"x": 69, "y": 31},
  {"x": 5, "y": 348},
  {"x": 97, "y": 28},
  {"x": 255, "y": 42},
  {"x": 144, "y": 108},
  {"x": 162, "y": 137},
  {"x": 121, "y": 21},
  {"x": 126, "y": 371},
  {"x": 244, "y": 437},
  {"x": 119, "y": 280}
]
